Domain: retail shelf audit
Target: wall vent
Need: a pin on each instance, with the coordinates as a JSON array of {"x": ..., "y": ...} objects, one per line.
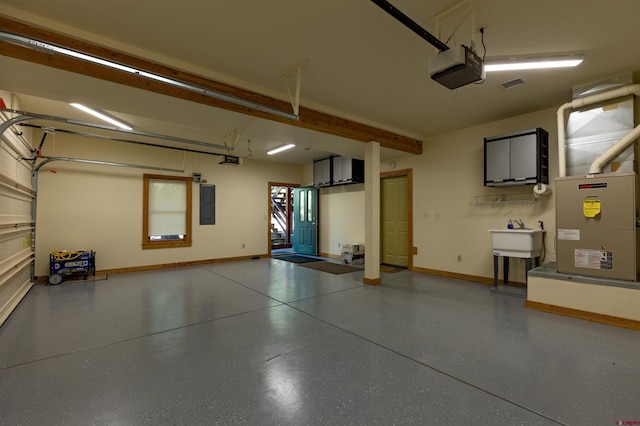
[{"x": 513, "y": 83}]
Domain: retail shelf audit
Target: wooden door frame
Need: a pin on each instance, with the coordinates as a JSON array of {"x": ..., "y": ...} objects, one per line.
[
  {"x": 269, "y": 185},
  {"x": 409, "y": 174}
]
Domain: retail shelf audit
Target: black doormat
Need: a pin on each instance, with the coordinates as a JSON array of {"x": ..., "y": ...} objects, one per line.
[
  {"x": 297, "y": 259},
  {"x": 333, "y": 268}
]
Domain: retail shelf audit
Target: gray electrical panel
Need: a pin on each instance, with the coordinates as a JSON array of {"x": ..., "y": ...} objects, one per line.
[{"x": 207, "y": 204}]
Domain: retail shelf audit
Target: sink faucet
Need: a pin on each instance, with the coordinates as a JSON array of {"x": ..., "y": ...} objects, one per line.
[{"x": 520, "y": 223}]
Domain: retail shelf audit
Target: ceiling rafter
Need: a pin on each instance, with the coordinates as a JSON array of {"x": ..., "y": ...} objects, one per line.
[{"x": 308, "y": 118}]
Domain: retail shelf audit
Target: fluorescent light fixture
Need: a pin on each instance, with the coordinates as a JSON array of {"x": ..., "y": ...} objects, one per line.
[
  {"x": 515, "y": 64},
  {"x": 101, "y": 116},
  {"x": 53, "y": 49},
  {"x": 282, "y": 148}
]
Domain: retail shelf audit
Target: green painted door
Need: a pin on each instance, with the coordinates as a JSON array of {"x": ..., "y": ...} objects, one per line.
[
  {"x": 394, "y": 221},
  {"x": 305, "y": 226}
]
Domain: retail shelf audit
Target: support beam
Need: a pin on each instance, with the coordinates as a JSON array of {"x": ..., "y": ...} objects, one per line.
[
  {"x": 308, "y": 119},
  {"x": 372, "y": 213}
]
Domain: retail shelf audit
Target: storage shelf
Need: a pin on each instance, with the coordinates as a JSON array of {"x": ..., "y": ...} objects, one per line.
[{"x": 503, "y": 199}]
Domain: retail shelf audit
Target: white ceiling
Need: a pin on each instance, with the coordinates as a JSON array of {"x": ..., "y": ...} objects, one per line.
[{"x": 361, "y": 64}]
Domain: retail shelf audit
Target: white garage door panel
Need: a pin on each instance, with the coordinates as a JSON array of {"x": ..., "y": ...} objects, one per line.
[
  {"x": 13, "y": 290},
  {"x": 16, "y": 226}
]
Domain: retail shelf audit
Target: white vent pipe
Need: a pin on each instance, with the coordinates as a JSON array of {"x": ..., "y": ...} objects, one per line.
[
  {"x": 596, "y": 166},
  {"x": 615, "y": 149}
]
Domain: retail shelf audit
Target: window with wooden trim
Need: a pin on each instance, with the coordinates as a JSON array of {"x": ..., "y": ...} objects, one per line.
[{"x": 166, "y": 216}]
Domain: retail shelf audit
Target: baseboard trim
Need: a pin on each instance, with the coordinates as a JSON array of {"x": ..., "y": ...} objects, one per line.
[
  {"x": 447, "y": 274},
  {"x": 330, "y": 256},
  {"x": 465, "y": 277},
  {"x": 180, "y": 264},
  {"x": 372, "y": 281},
  {"x": 170, "y": 265},
  {"x": 584, "y": 315}
]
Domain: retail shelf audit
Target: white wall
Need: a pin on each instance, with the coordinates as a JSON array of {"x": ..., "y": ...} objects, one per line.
[
  {"x": 446, "y": 178},
  {"x": 341, "y": 214},
  {"x": 341, "y": 217},
  {"x": 100, "y": 207}
]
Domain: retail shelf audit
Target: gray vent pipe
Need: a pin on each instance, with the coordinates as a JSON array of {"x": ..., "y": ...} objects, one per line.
[{"x": 617, "y": 148}]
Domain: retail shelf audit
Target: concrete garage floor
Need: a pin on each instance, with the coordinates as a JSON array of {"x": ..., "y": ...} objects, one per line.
[{"x": 270, "y": 342}]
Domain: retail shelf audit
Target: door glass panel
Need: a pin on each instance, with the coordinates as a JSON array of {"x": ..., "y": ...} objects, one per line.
[
  {"x": 301, "y": 205},
  {"x": 310, "y": 207}
]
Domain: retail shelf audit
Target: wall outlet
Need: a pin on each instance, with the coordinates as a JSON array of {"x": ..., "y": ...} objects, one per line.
[
  {"x": 242, "y": 245},
  {"x": 459, "y": 258}
]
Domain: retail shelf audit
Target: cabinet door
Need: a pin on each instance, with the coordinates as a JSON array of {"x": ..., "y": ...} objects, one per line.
[
  {"x": 322, "y": 172},
  {"x": 317, "y": 173},
  {"x": 338, "y": 175},
  {"x": 497, "y": 160},
  {"x": 523, "y": 157},
  {"x": 347, "y": 169}
]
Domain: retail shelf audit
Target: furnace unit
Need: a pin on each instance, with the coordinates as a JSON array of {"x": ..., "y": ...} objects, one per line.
[{"x": 596, "y": 220}]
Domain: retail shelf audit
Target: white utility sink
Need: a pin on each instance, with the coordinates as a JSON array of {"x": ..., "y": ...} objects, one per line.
[{"x": 525, "y": 243}]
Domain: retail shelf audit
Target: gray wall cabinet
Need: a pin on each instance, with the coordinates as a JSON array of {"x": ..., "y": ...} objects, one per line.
[
  {"x": 517, "y": 159},
  {"x": 337, "y": 170}
]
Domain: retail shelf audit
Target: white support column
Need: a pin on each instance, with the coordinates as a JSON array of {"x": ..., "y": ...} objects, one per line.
[{"x": 372, "y": 213}]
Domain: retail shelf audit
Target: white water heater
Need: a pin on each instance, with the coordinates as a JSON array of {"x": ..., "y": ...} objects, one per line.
[{"x": 596, "y": 221}]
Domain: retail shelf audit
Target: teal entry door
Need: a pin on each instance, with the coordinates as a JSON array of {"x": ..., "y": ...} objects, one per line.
[{"x": 305, "y": 223}]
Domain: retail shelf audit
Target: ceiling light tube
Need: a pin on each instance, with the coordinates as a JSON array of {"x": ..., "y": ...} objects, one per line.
[
  {"x": 51, "y": 48},
  {"x": 532, "y": 63},
  {"x": 282, "y": 148},
  {"x": 102, "y": 116}
]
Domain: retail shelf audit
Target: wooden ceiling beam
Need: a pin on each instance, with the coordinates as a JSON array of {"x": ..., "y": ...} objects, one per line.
[{"x": 308, "y": 118}]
